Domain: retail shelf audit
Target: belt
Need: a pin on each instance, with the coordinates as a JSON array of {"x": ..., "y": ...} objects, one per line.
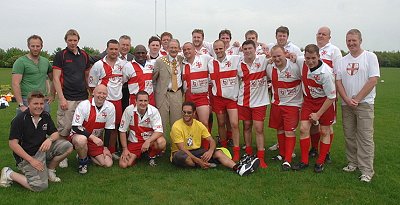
[{"x": 170, "y": 90}]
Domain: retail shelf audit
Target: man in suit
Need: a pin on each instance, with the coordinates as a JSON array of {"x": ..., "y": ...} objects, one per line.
[{"x": 167, "y": 76}]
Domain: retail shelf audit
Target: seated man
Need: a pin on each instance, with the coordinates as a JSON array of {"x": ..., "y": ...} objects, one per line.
[
  {"x": 186, "y": 150},
  {"x": 145, "y": 132},
  {"x": 90, "y": 119},
  {"x": 36, "y": 155}
]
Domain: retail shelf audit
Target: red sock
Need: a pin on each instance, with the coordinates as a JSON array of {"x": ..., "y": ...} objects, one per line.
[
  {"x": 236, "y": 153},
  {"x": 315, "y": 140},
  {"x": 249, "y": 150},
  {"x": 281, "y": 143},
  {"x": 324, "y": 149},
  {"x": 290, "y": 142},
  {"x": 153, "y": 152},
  {"x": 224, "y": 143},
  {"x": 112, "y": 149},
  {"x": 205, "y": 144},
  {"x": 304, "y": 147},
  {"x": 260, "y": 156},
  {"x": 228, "y": 134}
]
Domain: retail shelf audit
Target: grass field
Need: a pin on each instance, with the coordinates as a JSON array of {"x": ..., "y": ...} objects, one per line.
[{"x": 166, "y": 184}]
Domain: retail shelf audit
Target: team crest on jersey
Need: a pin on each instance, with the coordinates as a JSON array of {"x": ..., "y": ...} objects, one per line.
[
  {"x": 316, "y": 77},
  {"x": 150, "y": 67},
  {"x": 257, "y": 65},
  {"x": 324, "y": 52},
  {"x": 77, "y": 118},
  {"x": 352, "y": 68},
  {"x": 189, "y": 142},
  {"x": 230, "y": 52},
  {"x": 119, "y": 67},
  {"x": 44, "y": 127},
  {"x": 228, "y": 64},
  {"x": 287, "y": 74},
  {"x": 198, "y": 64},
  {"x": 147, "y": 120},
  {"x": 104, "y": 114}
]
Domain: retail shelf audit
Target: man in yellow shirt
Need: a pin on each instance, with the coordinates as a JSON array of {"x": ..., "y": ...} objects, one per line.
[{"x": 186, "y": 151}]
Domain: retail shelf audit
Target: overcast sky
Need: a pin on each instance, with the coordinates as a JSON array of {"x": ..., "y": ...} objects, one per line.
[{"x": 97, "y": 21}]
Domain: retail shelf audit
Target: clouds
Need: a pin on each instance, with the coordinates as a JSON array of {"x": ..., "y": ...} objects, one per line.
[{"x": 99, "y": 21}]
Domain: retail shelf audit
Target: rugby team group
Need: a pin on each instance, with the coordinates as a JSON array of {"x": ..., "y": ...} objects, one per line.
[{"x": 118, "y": 106}]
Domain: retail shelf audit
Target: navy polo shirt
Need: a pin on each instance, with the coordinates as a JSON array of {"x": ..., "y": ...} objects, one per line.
[
  {"x": 30, "y": 137},
  {"x": 73, "y": 67}
]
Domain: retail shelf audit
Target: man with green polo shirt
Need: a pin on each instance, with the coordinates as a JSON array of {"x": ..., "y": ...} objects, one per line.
[{"x": 30, "y": 72}]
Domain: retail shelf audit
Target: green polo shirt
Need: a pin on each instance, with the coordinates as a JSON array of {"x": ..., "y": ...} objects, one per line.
[{"x": 33, "y": 75}]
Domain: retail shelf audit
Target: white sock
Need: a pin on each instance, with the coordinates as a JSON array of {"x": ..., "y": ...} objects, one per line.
[{"x": 8, "y": 174}]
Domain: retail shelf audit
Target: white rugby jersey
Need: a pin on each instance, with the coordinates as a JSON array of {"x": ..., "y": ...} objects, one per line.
[
  {"x": 140, "y": 128},
  {"x": 289, "y": 48},
  {"x": 354, "y": 73},
  {"x": 224, "y": 78},
  {"x": 93, "y": 120},
  {"x": 330, "y": 54},
  {"x": 319, "y": 83},
  {"x": 206, "y": 49},
  {"x": 253, "y": 89},
  {"x": 112, "y": 77},
  {"x": 140, "y": 77},
  {"x": 286, "y": 84},
  {"x": 195, "y": 75}
]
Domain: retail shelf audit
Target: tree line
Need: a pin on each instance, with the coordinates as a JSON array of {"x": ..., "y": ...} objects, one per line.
[{"x": 9, "y": 56}]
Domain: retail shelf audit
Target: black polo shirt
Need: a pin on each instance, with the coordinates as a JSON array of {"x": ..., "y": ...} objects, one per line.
[
  {"x": 30, "y": 137},
  {"x": 73, "y": 67}
]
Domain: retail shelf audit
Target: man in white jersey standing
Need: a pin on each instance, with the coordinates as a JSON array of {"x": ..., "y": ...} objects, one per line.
[
  {"x": 202, "y": 47},
  {"x": 357, "y": 75},
  {"x": 253, "y": 97}
]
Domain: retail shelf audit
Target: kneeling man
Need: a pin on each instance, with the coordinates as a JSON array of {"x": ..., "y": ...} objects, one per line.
[
  {"x": 145, "y": 132},
  {"x": 186, "y": 150},
  {"x": 37, "y": 147}
]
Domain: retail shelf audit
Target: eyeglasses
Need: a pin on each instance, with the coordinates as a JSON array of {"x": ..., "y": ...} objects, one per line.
[{"x": 187, "y": 112}]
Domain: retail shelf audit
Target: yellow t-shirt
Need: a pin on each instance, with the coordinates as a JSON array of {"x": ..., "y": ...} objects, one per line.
[{"x": 190, "y": 135}]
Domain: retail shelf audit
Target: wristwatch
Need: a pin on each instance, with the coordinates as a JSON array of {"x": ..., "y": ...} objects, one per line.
[{"x": 21, "y": 104}]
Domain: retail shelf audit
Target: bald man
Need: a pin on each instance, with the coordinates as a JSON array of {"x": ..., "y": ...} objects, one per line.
[{"x": 90, "y": 119}]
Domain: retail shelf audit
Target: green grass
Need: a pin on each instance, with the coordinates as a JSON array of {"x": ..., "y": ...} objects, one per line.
[{"x": 166, "y": 184}]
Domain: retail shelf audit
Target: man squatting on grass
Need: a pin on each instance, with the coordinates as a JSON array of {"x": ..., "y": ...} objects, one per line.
[
  {"x": 186, "y": 150},
  {"x": 36, "y": 155}
]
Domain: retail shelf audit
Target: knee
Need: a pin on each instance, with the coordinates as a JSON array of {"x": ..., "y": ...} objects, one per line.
[
  {"x": 80, "y": 141},
  {"x": 39, "y": 185},
  {"x": 122, "y": 164},
  {"x": 108, "y": 163},
  {"x": 161, "y": 143},
  {"x": 247, "y": 125}
]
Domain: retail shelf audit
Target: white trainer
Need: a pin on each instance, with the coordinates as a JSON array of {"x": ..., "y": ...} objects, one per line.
[
  {"x": 349, "y": 168},
  {"x": 4, "y": 181},
  {"x": 52, "y": 175},
  {"x": 274, "y": 147},
  {"x": 365, "y": 178},
  {"x": 64, "y": 163}
]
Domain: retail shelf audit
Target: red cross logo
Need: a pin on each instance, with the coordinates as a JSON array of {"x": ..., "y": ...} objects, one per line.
[
  {"x": 352, "y": 68},
  {"x": 287, "y": 74},
  {"x": 228, "y": 64},
  {"x": 104, "y": 114},
  {"x": 258, "y": 65},
  {"x": 198, "y": 64},
  {"x": 316, "y": 77},
  {"x": 324, "y": 52},
  {"x": 147, "y": 120},
  {"x": 230, "y": 52},
  {"x": 151, "y": 67}
]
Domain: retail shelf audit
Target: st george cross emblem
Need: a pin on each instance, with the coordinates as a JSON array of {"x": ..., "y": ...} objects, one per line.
[
  {"x": 324, "y": 52},
  {"x": 198, "y": 64},
  {"x": 352, "y": 68}
]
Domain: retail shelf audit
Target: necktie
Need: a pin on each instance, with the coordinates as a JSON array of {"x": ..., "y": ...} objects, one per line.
[{"x": 174, "y": 79}]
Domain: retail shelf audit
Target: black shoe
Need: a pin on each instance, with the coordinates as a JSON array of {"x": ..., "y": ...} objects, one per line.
[
  {"x": 152, "y": 162},
  {"x": 313, "y": 152},
  {"x": 328, "y": 158},
  {"x": 230, "y": 143},
  {"x": 286, "y": 166},
  {"x": 277, "y": 158},
  {"x": 299, "y": 166},
  {"x": 318, "y": 168}
]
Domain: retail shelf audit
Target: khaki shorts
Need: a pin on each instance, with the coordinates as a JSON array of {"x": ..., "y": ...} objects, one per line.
[
  {"x": 38, "y": 180},
  {"x": 64, "y": 118}
]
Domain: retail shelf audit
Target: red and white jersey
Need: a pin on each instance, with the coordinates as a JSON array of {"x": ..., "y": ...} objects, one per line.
[
  {"x": 224, "y": 78},
  {"x": 163, "y": 52},
  {"x": 140, "y": 127},
  {"x": 289, "y": 48},
  {"x": 112, "y": 77},
  {"x": 206, "y": 49},
  {"x": 317, "y": 84},
  {"x": 232, "y": 50},
  {"x": 253, "y": 89},
  {"x": 92, "y": 119},
  {"x": 195, "y": 75},
  {"x": 355, "y": 72},
  {"x": 140, "y": 77},
  {"x": 330, "y": 54},
  {"x": 286, "y": 84}
]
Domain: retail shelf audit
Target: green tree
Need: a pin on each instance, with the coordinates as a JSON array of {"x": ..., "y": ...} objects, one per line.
[{"x": 91, "y": 51}]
